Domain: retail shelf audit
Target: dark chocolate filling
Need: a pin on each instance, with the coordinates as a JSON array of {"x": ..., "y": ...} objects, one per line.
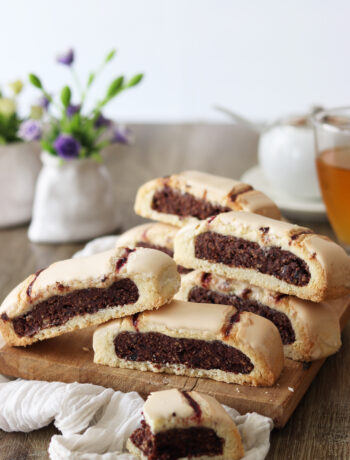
[
  {"x": 177, "y": 442},
  {"x": 171, "y": 201},
  {"x": 123, "y": 259},
  {"x": 196, "y": 354},
  {"x": 280, "y": 320},
  {"x": 59, "y": 309},
  {"x": 237, "y": 252},
  {"x": 195, "y": 406},
  {"x": 182, "y": 270}
]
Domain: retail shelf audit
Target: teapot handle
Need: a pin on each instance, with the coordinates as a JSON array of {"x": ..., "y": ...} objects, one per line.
[{"x": 240, "y": 120}]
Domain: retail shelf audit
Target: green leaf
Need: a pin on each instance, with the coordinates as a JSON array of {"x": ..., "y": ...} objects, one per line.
[
  {"x": 35, "y": 81},
  {"x": 135, "y": 80},
  {"x": 97, "y": 157},
  {"x": 48, "y": 147},
  {"x": 91, "y": 79},
  {"x": 110, "y": 55},
  {"x": 66, "y": 95},
  {"x": 115, "y": 87},
  {"x": 9, "y": 126}
]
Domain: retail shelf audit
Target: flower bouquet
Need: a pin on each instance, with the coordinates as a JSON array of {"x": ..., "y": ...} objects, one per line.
[
  {"x": 19, "y": 162},
  {"x": 74, "y": 198}
]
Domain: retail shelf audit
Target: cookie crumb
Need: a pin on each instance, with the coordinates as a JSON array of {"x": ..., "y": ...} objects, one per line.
[{"x": 85, "y": 349}]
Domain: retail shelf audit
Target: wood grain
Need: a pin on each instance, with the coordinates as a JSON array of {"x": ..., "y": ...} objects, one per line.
[{"x": 320, "y": 426}]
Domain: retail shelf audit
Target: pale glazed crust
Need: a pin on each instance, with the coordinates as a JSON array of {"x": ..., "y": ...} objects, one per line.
[
  {"x": 160, "y": 406},
  {"x": 214, "y": 189},
  {"x": 316, "y": 326},
  {"x": 153, "y": 272},
  {"x": 328, "y": 263},
  {"x": 155, "y": 233},
  {"x": 255, "y": 336}
]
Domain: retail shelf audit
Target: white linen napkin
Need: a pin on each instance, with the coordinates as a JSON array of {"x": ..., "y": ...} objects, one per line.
[
  {"x": 95, "y": 422},
  {"x": 97, "y": 245}
]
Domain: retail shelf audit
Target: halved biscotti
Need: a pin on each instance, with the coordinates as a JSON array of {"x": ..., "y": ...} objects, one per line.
[
  {"x": 308, "y": 330},
  {"x": 186, "y": 425},
  {"x": 194, "y": 339},
  {"x": 192, "y": 195},
  {"x": 155, "y": 235},
  {"x": 272, "y": 254},
  {"x": 77, "y": 293}
]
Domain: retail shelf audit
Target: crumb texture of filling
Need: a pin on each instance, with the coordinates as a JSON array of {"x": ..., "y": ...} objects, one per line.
[
  {"x": 59, "y": 309},
  {"x": 182, "y": 270},
  {"x": 177, "y": 442},
  {"x": 161, "y": 349},
  {"x": 170, "y": 201},
  {"x": 237, "y": 252},
  {"x": 281, "y": 321}
]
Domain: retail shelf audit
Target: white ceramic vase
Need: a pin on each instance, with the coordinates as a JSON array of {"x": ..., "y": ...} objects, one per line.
[
  {"x": 19, "y": 169},
  {"x": 74, "y": 201}
]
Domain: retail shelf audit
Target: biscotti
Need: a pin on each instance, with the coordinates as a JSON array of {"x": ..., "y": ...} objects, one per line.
[
  {"x": 155, "y": 235},
  {"x": 198, "y": 340},
  {"x": 192, "y": 195},
  {"x": 77, "y": 293},
  {"x": 187, "y": 425},
  {"x": 272, "y": 254},
  {"x": 308, "y": 330}
]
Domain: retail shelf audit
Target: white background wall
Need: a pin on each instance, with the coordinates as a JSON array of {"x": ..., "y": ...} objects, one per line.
[{"x": 262, "y": 58}]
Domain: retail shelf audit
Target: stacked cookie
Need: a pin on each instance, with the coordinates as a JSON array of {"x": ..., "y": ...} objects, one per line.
[
  {"x": 282, "y": 272},
  {"x": 251, "y": 285},
  {"x": 186, "y": 338}
]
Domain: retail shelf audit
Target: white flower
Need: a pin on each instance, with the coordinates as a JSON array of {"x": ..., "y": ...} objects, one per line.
[
  {"x": 16, "y": 86},
  {"x": 30, "y": 130},
  {"x": 7, "y": 106}
]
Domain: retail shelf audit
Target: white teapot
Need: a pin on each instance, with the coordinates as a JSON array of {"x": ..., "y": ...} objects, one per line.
[
  {"x": 287, "y": 157},
  {"x": 286, "y": 154}
]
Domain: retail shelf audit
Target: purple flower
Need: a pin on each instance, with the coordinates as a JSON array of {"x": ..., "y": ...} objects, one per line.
[
  {"x": 102, "y": 121},
  {"x": 66, "y": 146},
  {"x": 43, "y": 102},
  {"x": 122, "y": 135},
  {"x": 73, "y": 109},
  {"x": 30, "y": 130},
  {"x": 66, "y": 58}
]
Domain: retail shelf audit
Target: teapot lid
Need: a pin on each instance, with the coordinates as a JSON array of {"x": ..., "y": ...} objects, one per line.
[{"x": 299, "y": 120}]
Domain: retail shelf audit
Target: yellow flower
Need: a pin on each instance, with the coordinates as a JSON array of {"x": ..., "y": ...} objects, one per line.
[
  {"x": 16, "y": 86},
  {"x": 36, "y": 112},
  {"x": 7, "y": 106}
]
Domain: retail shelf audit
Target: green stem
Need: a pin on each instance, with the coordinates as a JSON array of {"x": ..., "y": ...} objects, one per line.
[
  {"x": 97, "y": 73},
  {"x": 52, "y": 101},
  {"x": 77, "y": 82}
]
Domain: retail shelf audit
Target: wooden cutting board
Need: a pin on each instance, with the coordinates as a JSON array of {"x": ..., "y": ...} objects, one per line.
[{"x": 69, "y": 358}]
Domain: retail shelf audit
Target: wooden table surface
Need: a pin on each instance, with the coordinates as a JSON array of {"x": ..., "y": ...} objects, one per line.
[{"x": 320, "y": 426}]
